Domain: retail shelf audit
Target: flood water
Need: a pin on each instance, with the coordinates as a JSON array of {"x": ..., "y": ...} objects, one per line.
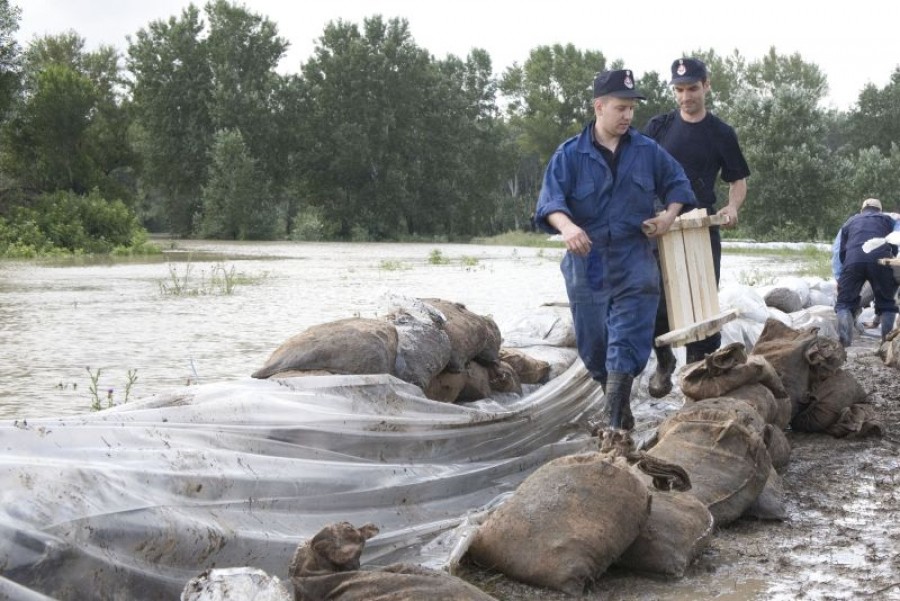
[{"x": 63, "y": 322}]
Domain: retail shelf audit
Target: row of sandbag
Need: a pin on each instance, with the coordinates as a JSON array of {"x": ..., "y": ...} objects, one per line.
[
  {"x": 451, "y": 353},
  {"x": 578, "y": 515}
]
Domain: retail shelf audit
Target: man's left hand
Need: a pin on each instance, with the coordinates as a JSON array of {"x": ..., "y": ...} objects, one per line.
[{"x": 731, "y": 213}]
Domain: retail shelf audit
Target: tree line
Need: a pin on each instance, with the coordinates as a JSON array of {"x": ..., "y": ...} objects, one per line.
[{"x": 193, "y": 131}]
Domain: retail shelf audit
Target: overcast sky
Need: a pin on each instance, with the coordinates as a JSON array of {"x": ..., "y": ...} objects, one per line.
[{"x": 854, "y": 43}]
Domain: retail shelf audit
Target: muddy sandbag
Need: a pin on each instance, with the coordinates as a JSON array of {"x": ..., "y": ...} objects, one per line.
[
  {"x": 677, "y": 531},
  {"x": 776, "y": 411},
  {"x": 787, "y": 351},
  {"x": 565, "y": 524},
  {"x": 783, "y": 299},
  {"x": 471, "y": 336},
  {"x": 769, "y": 505},
  {"x": 890, "y": 349},
  {"x": 722, "y": 409},
  {"x": 727, "y": 462},
  {"x": 503, "y": 378},
  {"x": 327, "y": 567},
  {"x": 827, "y": 400},
  {"x": 446, "y": 386},
  {"x": 477, "y": 384},
  {"x": 423, "y": 348},
  {"x": 857, "y": 421},
  {"x": 726, "y": 369},
  {"x": 559, "y": 358},
  {"x": 778, "y": 446},
  {"x": 231, "y": 584},
  {"x": 348, "y": 346},
  {"x": 398, "y": 582},
  {"x": 826, "y": 357},
  {"x": 529, "y": 369},
  {"x": 547, "y": 325}
]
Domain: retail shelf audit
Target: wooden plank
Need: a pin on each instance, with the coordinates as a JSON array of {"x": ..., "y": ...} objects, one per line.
[
  {"x": 676, "y": 282},
  {"x": 685, "y": 222},
  {"x": 891, "y": 262},
  {"x": 696, "y": 331}
]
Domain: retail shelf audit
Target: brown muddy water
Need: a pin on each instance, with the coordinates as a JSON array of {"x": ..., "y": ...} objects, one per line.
[{"x": 63, "y": 322}]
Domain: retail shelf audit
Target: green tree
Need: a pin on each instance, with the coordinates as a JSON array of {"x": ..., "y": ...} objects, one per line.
[
  {"x": 875, "y": 121},
  {"x": 659, "y": 98},
  {"x": 172, "y": 87},
  {"x": 368, "y": 99},
  {"x": 550, "y": 95},
  {"x": 10, "y": 55},
  {"x": 236, "y": 202},
  {"x": 68, "y": 131}
]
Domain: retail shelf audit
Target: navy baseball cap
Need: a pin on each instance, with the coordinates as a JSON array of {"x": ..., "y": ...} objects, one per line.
[
  {"x": 618, "y": 83},
  {"x": 688, "y": 70}
]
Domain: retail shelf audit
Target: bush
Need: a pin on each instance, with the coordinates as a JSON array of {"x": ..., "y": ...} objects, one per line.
[{"x": 63, "y": 222}]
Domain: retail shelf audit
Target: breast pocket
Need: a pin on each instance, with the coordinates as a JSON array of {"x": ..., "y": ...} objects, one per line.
[{"x": 643, "y": 196}]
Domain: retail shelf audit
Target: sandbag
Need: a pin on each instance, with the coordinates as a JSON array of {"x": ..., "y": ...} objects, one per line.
[
  {"x": 550, "y": 325},
  {"x": 775, "y": 411},
  {"x": 446, "y": 386},
  {"x": 722, "y": 409},
  {"x": 786, "y": 350},
  {"x": 778, "y": 446},
  {"x": 769, "y": 505},
  {"x": 477, "y": 384},
  {"x": 327, "y": 567},
  {"x": 857, "y": 421},
  {"x": 727, "y": 462},
  {"x": 827, "y": 400},
  {"x": 890, "y": 349},
  {"x": 726, "y": 369},
  {"x": 529, "y": 369},
  {"x": 347, "y": 346},
  {"x": 783, "y": 299},
  {"x": 678, "y": 529},
  {"x": 503, "y": 378},
  {"x": 471, "y": 336},
  {"x": 398, "y": 582},
  {"x": 565, "y": 524},
  {"x": 423, "y": 348}
]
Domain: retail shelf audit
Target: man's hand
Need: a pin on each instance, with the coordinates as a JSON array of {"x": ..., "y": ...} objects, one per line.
[
  {"x": 577, "y": 241},
  {"x": 659, "y": 225},
  {"x": 731, "y": 213}
]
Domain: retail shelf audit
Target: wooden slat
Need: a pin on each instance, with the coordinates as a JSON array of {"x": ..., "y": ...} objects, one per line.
[
  {"x": 891, "y": 262},
  {"x": 676, "y": 280},
  {"x": 696, "y": 331},
  {"x": 686, "y": 221}
]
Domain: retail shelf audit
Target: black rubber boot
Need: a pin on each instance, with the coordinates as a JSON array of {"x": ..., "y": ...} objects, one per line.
[
  {"x": 661, "y": 380},
  {"x": 618, "y": 399},
  {"x": 694, "y": 355},
  {"x": 887, "y": 324},
  {"x": 845, "y": 327}
]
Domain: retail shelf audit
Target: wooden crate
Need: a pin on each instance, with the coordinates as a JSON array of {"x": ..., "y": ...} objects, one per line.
[{"x": 689, "y": 280}]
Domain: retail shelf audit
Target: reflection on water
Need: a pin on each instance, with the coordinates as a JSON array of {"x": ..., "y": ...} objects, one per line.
[{"x": 62, "y": 321}]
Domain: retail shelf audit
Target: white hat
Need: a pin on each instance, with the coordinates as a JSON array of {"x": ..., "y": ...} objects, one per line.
[{"x": 872, "y": 202}]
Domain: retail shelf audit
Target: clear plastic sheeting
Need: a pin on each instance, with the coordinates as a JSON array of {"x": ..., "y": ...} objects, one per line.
[{"x": 134, "y": 501}]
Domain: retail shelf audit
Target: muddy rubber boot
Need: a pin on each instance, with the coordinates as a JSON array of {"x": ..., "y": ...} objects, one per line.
[
  {"x": 661, "y": 380},
  {"x": 887, "y": 324},
  {"x": 618, "y": 399},
  {"x": 845, "y": 327}
]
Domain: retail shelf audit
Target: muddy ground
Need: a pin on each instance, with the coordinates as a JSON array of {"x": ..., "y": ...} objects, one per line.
[{"x": 841, "y": 541}]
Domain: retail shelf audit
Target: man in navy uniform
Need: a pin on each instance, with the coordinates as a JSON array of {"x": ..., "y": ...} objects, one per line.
[
  {"x": 859, "y": 267},
  {"x": 706, "y": 147},
  {"x": 600, "y": 192}
]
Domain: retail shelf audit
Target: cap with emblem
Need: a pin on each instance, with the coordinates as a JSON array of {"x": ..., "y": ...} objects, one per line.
[
  {"x": 871, "y": 203},
  {"x": 618, "y": 83},
  {"x": 688, "y": 70}
]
